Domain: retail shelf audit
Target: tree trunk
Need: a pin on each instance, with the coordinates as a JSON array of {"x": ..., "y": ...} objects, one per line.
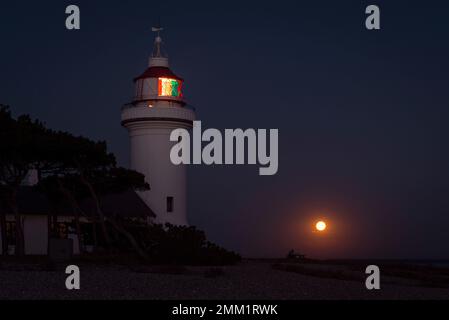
[
  {"x": 4, "y": 235},
  {"x": 49, "y": 231},
  {"x": 20, "y": 239},
  {"x": 98, "y": 209},
  {"x": 94, "y": 233},
  {"x": 54, "y": 224},
  {"x": 130, "y": 238},
  {"x": 76, "y": 212}
]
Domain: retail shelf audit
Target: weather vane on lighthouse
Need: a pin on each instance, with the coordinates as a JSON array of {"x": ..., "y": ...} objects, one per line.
[{"x": 157, "y": 51}]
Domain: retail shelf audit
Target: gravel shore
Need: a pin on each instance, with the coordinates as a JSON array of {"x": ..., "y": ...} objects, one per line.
[{"x": 248, "y": 280}]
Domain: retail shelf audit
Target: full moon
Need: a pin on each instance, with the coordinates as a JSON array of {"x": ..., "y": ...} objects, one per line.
[{"x": 320, "y": 226}]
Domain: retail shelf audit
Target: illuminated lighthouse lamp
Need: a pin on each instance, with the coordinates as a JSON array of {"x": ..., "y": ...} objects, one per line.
[{"x": 169, "y": 87}]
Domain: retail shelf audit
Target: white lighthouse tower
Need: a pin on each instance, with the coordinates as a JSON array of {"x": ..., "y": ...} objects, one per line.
[{"x": 157, "y": 108}]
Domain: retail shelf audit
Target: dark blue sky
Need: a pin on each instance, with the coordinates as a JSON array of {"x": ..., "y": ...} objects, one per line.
[{"x": 362, "y": 115}]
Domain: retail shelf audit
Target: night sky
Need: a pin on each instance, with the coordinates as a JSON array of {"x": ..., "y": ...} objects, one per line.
[{"x": 362, "y": 115}]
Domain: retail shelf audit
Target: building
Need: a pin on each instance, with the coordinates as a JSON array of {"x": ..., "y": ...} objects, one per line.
[
  {"x": 38, "y": 214},
  {"x": 157, "y": 108}
]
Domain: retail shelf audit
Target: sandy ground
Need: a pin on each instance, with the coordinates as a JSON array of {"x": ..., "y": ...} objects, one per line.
[{"x": 248, "y": 280}]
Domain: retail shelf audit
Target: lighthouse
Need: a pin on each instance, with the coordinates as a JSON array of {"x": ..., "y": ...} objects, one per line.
[{"x": 158, "y": 107}]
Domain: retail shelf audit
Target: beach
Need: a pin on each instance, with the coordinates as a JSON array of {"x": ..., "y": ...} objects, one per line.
[{"x": 247, "y": 280}]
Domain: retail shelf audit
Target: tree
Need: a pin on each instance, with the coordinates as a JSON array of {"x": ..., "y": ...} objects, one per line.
[
  {"x": 70, "y": 168},
  {"x": 19, "y": 145},
  {"x": 117, "y": 180},
  {"x": 5, "y": 125},
  {"x": 78, "y": 168}
]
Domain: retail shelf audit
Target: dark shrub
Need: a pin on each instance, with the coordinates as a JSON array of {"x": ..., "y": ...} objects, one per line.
[{"x": 171, "y": 244}]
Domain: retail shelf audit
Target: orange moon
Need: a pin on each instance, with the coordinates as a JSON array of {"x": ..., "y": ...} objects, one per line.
[{"x": 320, "y": 225}]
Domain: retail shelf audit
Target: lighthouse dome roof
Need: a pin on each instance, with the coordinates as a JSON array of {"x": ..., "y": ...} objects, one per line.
[{"x": 158, "y": 72}]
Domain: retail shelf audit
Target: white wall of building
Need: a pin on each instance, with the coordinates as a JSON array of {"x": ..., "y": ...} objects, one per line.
[{"x": 35, "y": 228}]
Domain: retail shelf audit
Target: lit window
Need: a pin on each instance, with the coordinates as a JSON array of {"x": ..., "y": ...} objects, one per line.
[{"x": 169, "y": 88}]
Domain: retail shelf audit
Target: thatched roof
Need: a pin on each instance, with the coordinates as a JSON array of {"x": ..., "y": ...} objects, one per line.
[{"x": 126, "y": 204}]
